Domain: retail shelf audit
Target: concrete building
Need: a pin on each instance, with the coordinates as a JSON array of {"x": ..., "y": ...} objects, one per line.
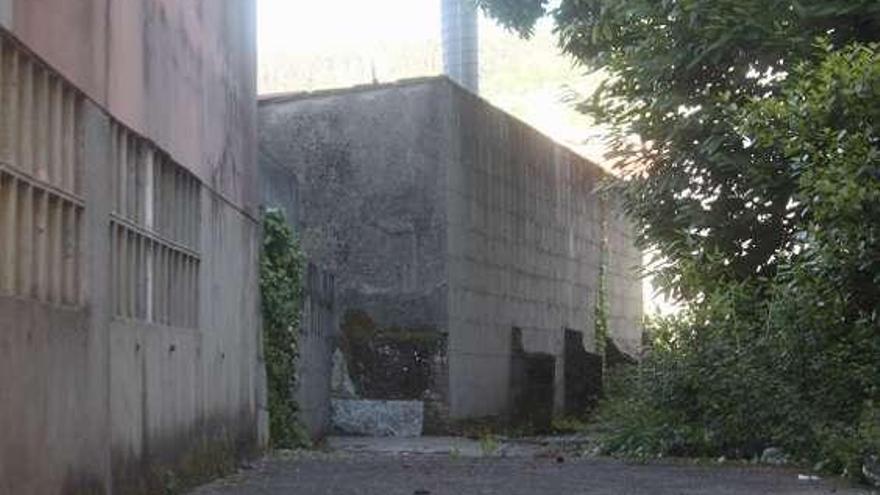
[
  {"x": 129, "y": 244},
  {"x": 444, "y": 217}
]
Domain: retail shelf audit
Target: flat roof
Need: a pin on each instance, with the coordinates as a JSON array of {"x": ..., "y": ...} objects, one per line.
[
  {"x": 283, "y": 97},
  {"x": 286, "y": 97}
]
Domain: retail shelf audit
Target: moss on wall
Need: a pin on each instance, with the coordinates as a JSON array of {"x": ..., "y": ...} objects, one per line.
[{"x": 392, "y": 363}]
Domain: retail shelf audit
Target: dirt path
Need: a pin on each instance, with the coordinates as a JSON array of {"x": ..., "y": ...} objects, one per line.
[{"x": 363, "y": 472}]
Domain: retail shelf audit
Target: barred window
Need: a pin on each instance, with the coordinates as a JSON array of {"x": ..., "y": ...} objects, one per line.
[
  {"x": 154, "y": 234},
  {"x": 41, "y": 205}
]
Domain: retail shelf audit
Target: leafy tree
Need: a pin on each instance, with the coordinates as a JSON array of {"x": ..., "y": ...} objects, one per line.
[
  {"x": 755, "y": 169},
  {"x": 680, "y": 71},
  {"x": 824, "y": 121}
]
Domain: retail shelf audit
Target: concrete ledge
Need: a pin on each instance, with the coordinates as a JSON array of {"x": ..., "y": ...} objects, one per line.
[{"x": 377, "y": 418}]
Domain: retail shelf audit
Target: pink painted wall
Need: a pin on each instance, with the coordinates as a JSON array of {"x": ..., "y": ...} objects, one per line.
[
  {"x": 94, "y": 403},
  {"x": 180, "y": 72}
]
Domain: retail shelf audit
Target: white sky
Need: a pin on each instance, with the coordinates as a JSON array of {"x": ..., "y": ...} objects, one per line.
[{"x": 298, "y": 25}]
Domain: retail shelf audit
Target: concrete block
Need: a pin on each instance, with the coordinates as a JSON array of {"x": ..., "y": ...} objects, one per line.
[
  {"x": 341, "y": 384},
  {"x": 377, "y": 418}
]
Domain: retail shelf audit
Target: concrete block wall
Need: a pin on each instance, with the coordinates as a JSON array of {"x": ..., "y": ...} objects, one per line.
[
  {"x": 361, "y": 177},
  {"x": 54, "y": 357},
  {"x": 435, "y": 209},
  {"x": 524, "y": 251},
  {"x": 319, "y": 324},
  {"x": 187, "y": 397},
  {"x": 371, "y": 205},
  {"x": 93, "y": 401},
  {"x": 182, "y": 74}
]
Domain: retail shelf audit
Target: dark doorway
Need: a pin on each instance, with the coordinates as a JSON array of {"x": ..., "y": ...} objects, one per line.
[
  {"x": 532, "y": 385},
  {"x": 583, "y": 375}
]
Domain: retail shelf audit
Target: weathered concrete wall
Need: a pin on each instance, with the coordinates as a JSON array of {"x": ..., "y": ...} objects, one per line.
[
  {"x": 319, "y": 324},
  {"x": 317, "y": 341},
  {"x": 54, "y": 407},
  {"x": 53, "y": 413},
  {"x": 190, "y": 400},
  {"x": 372, "y": 211},
  {"x": 182, "y": 74},
  {"x": 92, "y": 402},
  {"x": 436, "y": 209},
  {"x": 624, "y": 285},
  {"x": 524, "y": 251},
  {"x": 371, "y": 206},
  {"x": 280, "y": 189}
]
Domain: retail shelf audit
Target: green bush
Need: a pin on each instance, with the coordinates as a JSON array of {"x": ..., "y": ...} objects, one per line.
[
  {"x": 844, "y": 446},
  {"x": 747, "y": 369},
  {"x": 790, "y": 359},
  {"x": 710, "y": 386},
  {"x": 281, "y": 270},
  {"x": 756, "y": 178}
]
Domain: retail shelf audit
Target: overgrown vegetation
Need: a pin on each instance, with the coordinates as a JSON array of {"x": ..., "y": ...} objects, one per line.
[
  {"x": 281, "y": 270},
  {"x": 390, "y": 363},
  {"x": 600, "y": 309},
  {"x": 746, "y": 135}
]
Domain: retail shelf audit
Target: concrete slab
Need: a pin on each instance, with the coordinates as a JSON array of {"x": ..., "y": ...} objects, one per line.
[
  {"x": 451, "y": 446},
  {"x": 419, "y": 445},
  {"x": 380, "y": 418}
]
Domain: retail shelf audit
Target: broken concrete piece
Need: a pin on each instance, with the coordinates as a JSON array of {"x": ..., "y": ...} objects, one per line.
[
  {"x": 774, "y": 456},
  {"x": 871, "y": 470},
  {"x": 341, "y": 385},
  {"x": 377, "y": 418}
]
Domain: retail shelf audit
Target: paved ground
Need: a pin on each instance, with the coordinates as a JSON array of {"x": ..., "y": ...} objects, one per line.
[
  {"x": 460, "y": 467},
  {"x": 456, "y": 446}
]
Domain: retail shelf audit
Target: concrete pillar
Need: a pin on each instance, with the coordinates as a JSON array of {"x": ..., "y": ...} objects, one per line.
[
  {"x": 96, "y": 181},
  {"x": 461, "y": 43}
]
